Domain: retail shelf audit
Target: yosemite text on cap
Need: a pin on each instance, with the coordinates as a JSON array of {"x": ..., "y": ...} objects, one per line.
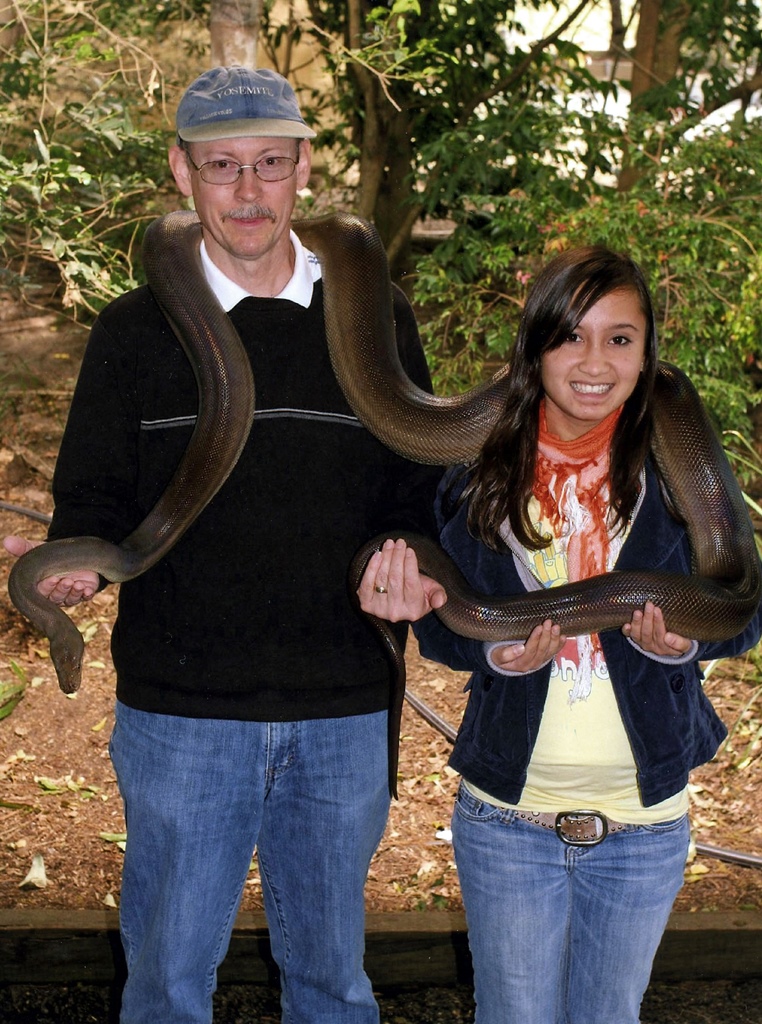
[{"x": 236, "y": 102}]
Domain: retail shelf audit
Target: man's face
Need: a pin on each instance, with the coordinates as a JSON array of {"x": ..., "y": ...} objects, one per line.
[{"x": 248, "y": 220}]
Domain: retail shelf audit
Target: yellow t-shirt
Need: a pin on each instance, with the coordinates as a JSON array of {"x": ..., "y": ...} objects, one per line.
[{"x": 582, "y": 758}]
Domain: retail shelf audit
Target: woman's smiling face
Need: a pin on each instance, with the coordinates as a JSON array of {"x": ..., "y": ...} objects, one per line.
[{"x": 595, "y": 370}]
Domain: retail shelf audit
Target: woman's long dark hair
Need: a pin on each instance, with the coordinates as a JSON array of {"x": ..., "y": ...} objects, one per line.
[{"x": 501, "y": 485}]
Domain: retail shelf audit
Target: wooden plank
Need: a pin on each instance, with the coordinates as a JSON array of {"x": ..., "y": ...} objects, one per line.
[
  {"x": 710, "y": 945},
  {"x": 59, "y": 946},
  {"x": 417, "y": 947},
  {"x": 63, "y": 946}
]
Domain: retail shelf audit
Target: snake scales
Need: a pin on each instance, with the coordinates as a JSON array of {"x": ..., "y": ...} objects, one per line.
[
  {"x": 226, "y": 408},
  {"x": 714, "y": 603}
]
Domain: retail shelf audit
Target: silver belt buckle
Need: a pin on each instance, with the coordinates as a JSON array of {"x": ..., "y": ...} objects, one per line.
[{"x": 581, "y": 828}]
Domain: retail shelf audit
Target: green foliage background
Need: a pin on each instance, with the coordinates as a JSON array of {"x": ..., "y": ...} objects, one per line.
[
  {"x": 512, "y": 144},
  {"x": 693, "y": 225},
  {"x": 82, "y": 149}
]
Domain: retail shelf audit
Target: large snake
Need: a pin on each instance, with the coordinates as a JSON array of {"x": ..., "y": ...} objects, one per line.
[
  {"x": 226, "y": 408},
  {"x": 714, "y": 603}
]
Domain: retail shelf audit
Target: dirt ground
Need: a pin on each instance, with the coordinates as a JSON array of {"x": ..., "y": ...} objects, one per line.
[
  {"x": 682, "y": 1003},
  {"x": 58, "y": 796}
]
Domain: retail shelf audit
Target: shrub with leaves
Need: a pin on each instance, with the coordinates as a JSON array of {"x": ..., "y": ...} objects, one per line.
[
  {"x": 11, "y": 691},
  {"x": 693, "y": 225},
  {"x": 78, "y": 179}
]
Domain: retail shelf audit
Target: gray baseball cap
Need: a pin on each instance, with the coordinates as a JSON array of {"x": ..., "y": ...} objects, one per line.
[{"x": 239, "y": 102}]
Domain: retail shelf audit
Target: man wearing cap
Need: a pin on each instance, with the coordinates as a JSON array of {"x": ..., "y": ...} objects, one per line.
[{"x": 251, "y": 697}]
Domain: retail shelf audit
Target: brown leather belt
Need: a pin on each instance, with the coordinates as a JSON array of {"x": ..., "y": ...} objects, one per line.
[{"x": 575, "y": 828}]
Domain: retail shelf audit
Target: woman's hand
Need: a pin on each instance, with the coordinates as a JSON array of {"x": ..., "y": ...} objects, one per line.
[
  {"x": 392, "y": 587},
  {"x": 542, "y": 644},
  {"x": 648, "y": 631},
  {"x": 65, "y": 590}
]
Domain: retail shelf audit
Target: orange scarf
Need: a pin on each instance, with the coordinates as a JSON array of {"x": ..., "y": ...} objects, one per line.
[{"x": 571, "y": 486}]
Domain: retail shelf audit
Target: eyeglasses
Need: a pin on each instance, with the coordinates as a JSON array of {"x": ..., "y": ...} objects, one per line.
[{"x": 225, "y": 172}]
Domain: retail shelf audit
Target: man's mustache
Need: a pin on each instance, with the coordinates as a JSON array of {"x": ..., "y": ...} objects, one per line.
[{"x": 250, "y": 212}]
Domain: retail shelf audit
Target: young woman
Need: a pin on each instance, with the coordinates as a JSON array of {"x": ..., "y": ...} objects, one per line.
[{"x": 566, "y": 906}]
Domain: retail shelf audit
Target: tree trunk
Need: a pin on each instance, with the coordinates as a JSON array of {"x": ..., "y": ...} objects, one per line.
[
  {"x": 618, "y": 28},
  {"x": 385, "y": 154},
  {"x": 655, "y": 60},
  {"x": 10, "y": 29},
  {"x": 234, "y": 29}
]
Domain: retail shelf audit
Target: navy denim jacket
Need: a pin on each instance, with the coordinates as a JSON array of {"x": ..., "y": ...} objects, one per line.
[{"x": 671, "y": 724}]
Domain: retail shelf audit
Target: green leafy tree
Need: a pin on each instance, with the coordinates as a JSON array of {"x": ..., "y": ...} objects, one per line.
[
  {"x": 82, "y": 152},
  {"x": 446, "y": 109},
  {"x": 432, "y": 100},
  {"x": 690, "y": 223},
  {"x": 439, "y": 99},
  {"x": 690, "y": 60}
]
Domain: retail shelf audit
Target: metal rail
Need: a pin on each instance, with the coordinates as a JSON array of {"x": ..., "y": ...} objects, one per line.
[
  {"x": 431, "y": 716},
  {"x": 30, "y": 513}
]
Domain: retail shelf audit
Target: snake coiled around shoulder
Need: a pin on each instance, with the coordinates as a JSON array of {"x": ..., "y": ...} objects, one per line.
[
  {"x": 225, "y": 411},
  {"x": 714, "y": 603}
]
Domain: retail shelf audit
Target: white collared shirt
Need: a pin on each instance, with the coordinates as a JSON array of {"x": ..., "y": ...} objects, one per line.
[{"x": 298, "y": 289}]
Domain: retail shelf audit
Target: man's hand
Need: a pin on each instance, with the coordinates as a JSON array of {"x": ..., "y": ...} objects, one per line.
[{"x": 70, "y": 589}]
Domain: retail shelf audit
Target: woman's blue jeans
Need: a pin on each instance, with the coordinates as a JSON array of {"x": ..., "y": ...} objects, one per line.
[
  {"x": 199, "y": 795},
  {"x": 562, "y": 934}
]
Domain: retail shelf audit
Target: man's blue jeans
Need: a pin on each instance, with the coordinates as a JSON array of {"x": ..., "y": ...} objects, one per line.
[
  {"x": 562, "y": 934},
  {"x": 199, "y": 795}
]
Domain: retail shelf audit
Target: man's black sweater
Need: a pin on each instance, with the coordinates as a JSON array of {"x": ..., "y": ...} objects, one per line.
[{"x": 249, "y": 615}]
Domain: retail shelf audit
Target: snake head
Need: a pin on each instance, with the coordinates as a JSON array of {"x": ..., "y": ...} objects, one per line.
[{"x": 66, "y": 652}]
